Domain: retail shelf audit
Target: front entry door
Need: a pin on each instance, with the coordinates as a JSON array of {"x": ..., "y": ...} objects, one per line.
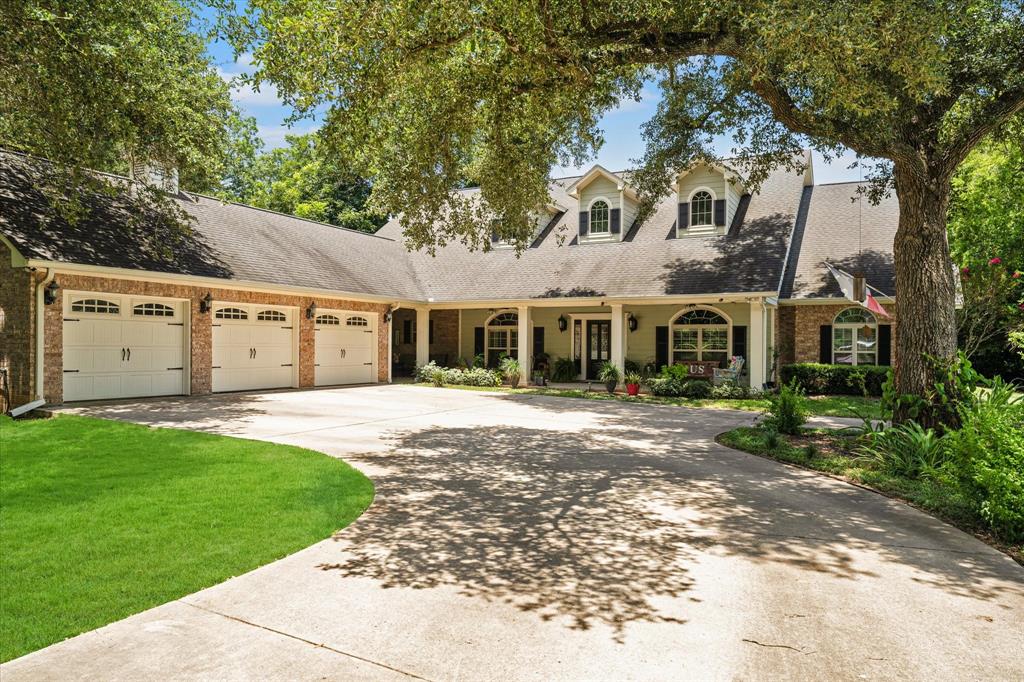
[{"x": 599, "y": 345}]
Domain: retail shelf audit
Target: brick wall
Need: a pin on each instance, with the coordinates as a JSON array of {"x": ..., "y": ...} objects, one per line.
[
  {"x": 800, "y": 330},
  {"x": 446, "y": 334},
  {"x": 17, "y": 319},
  {"x": 201, "y": 326}
]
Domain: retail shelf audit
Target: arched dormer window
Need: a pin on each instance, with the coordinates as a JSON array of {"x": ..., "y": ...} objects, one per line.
[
  {"x": 599, "y": 217},
  {"x": 701, "y": 209},
  {"x": 855, "y": 338}
]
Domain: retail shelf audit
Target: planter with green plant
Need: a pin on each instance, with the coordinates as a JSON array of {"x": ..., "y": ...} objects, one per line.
[
  {"x": 609, "y": 374},
  {"x": 633, "y": 381},
  {"x": 511, "y": 370}
]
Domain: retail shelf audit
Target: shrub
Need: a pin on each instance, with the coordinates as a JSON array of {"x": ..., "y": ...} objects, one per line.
[
  {"x": 986, "y": 458},
  {"x": 771, "y": 439},
  {"x": 906, "y": 450},
  {"x": 632, "y": 366},
  {"x": 609, "y": 374},
  {"x": 817, "y": 379},
  {"x": 696, "y": 388},
  {"x": 474, "y": 376},
  {"x": 511, "y": 370},
  {"x": 666, "y": 386},
  {"x": 729, "y": 391},
  {"x": 787, "y": 411},
  {"x": 564, "y": 370}
]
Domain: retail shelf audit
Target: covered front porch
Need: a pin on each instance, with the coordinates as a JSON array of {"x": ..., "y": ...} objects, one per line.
[{"x": 700, "y": 332}]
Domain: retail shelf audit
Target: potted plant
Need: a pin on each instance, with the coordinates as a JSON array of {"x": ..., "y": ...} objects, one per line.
[
  {"x": 511, "y": 370},
  {"x": 633, "y": 381},
  {"x": 609, "y": 374}
]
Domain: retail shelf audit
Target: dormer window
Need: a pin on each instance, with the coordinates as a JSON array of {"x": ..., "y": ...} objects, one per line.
[
  {"x": 599, "y": 217},
  {"x": 701, "y": 208}
]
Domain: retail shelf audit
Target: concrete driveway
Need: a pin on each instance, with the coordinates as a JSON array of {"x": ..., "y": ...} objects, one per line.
[{"x": 526, "y": 537}]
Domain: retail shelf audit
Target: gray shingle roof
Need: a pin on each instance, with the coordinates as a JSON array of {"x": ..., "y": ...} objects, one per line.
[
  {"x": 849, "y": 232},
  {"x": 237, "y": 242}
]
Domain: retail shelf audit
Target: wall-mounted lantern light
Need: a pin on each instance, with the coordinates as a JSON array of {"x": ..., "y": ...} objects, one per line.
[
  {"x": 206, "y": 303},
  {"x": 563, "y": 323},
  {"x": 632, "y": 322},
  {"x": 387, "y": 317},
  {"x": 311, "y": 311},
  {"x": 50, "y": 292}
]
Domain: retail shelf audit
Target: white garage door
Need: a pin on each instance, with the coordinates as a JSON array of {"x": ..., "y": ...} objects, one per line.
[
  {"x": 346, "y": 348},
  {"x": 252, "y": 347},
  {"x": 122, "y": 347}
]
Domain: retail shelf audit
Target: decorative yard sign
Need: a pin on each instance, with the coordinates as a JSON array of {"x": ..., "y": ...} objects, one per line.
[{"x": 701, "y": 370}]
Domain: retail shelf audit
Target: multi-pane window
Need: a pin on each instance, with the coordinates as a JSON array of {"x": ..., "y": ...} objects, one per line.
[
  {"x": 231, "y": 314},
  {"x": 95, "y": 305},
  {"x": 701, "y": 205},
  {"x": 153, "y": 310},
  {"x": 855, "y": 338},
  {"x": 328, "y": 320},
  {"x": 502, "y": 337},
  {"x": 357, "y": 322},
  {"x": 271, "y": 316},
  {"x": 700, "y": 335},
  {"x": 599, "y": 222}
]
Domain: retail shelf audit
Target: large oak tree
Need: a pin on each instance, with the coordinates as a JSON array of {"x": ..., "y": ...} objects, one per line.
[{"x": 424, "y": 92}]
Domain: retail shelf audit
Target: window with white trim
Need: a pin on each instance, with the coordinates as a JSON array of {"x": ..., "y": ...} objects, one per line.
[
  {"x": 502, "y": 337},
  {"x": 600, "y": 222},
  {"x": 700, "y": 335},
  {"x": 855, "y": 338},
  {"x": 271, "y": 316},
  {"x": 701, "y": 209},
  {"x": 95, "y": 305},
  {"x": 328, "y": 320},
  {"x": 231, "y": 314},
  {"x": 153, "y": 310},
  {"x": 357, "y": 322}
]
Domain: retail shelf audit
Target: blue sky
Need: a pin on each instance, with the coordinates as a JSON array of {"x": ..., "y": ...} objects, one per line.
[{"x": 621, "y": 126}]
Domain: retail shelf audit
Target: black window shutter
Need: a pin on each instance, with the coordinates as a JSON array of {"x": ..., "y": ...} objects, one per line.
[
  {"x": 885, "y": 344},
  {"x": 684, "y": 215},
  {"x": 660, "y": 346},
  {"x": 719, "y": 212},
  {"x": 616, "y": 220},
  {"x": 430, "y": 339},
  {"x": 538, "y": 341},
  {"x": 478, "y": 341},
  {"x": 407, "y": 331},
  {"x": 825, "y": 344},
  {"x": 739, "y": 341},
  {"x": 584, "y": 223},
  {"x": 494, "y": 236}
]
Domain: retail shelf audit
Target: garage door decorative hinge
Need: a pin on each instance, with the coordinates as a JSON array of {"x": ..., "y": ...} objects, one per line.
[
  {"x": 367, "y": 363},
  {"x": 176, "y": 324},
  {"x": 215, "y": 367},
  {"x": 70, "y": 371},
  {"x": 285, "y": 327},
  {"x": 172, "y": 368},
  {"x": 71, "y": 319},
  {"x": 288, "y": 365}
]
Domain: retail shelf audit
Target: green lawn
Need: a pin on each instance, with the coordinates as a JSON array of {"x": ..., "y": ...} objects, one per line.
[
  {"x": 823, "y": 405},
  {"x": 102, "y": 519}
]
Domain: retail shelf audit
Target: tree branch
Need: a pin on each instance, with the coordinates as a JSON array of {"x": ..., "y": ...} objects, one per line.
[{"x": 993, "y": 115}]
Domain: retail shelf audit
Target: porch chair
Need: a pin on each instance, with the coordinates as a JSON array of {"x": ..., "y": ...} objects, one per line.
[{"x": 729, "y": 375}]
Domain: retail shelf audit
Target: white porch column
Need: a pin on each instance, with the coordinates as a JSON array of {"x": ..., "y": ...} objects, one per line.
[
  {"x": 422, "y": 336},
  {"x": 525, "y": 345},
  {"x": 618, "y": 346},
  {"x": 756, "y": 345}
]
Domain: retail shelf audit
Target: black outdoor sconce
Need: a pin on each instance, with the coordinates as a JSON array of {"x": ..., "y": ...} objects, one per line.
[
  {"x": 311, "y": 311},
  {"x": 206, "y": 303},
  {"x": 632, "y": 322},
  {"x": 563, "y": 323},
  {"x": 50, "y": 293}
]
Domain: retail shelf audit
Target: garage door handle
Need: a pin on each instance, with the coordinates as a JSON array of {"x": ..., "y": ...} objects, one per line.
[
  {"x": 342, "y": 352},
  {"x": 122, "y": 355},
  {"x": 129, "y": 355}
]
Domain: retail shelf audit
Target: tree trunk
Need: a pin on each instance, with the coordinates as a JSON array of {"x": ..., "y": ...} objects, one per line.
[{"x": 925, "y": 290}]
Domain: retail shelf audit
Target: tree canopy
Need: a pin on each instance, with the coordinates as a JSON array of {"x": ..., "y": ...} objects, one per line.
[{"x": 90, "y": 83}]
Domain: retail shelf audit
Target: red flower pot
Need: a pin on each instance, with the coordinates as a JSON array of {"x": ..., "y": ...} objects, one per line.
[{"x": 632, "y": 389}]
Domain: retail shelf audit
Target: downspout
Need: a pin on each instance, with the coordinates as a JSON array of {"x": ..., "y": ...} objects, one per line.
[{"x": 40, "y": 332}]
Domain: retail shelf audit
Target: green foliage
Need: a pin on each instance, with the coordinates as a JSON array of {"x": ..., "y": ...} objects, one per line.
[
  {"x": 772, "y": 440},
  {"x": 906, "y": 450},
  {"x": 671, "y": 384},
  {"x": 609, "y": 374},
  {"x": 511, "y": 370},
  {"x": 633, "y": 377},
  {"x": 986, "y": 457},
  {"x": 87, "y": 83},
  {"x": 732, "y": 391},
  {"x": 306, "y": 180},
  {"x": 787, "y": 410},
  {"x": 818, "y": 379},
  {"x": 564, "y": 370},
  {"x": 471, "y": 376}
]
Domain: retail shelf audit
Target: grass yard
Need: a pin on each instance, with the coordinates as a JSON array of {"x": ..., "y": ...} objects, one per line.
[
  {"x": 822, "y": 405},
  {"x": 102, "y": 519},
  {"x": 831, "y": 452}
]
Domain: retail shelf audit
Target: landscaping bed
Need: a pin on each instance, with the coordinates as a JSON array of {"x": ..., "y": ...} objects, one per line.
[{"x": 102, "y": 519}]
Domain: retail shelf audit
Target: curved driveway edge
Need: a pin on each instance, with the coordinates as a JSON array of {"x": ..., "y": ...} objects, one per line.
[{"x": 528, "y": 537}]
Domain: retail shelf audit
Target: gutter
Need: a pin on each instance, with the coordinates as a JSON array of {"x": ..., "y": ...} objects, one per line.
[{"x": 41, "y": 331}]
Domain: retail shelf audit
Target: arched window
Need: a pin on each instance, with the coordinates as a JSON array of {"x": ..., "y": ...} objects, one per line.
[
  {"x": 855, "y": 338},
  {"x": 700, "y": 335},
  {"x": 271, "y": 316},
  {"x": 502, "y": 337},
  {"x": 599, "y": 223},
  {"x": 328, "y": 320},
  {"x": 701, "y": 205},
  {"x": 231, "y": 314},
  {"x": 357, "y": 322},
  {"x": 95, "y": 305}
]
